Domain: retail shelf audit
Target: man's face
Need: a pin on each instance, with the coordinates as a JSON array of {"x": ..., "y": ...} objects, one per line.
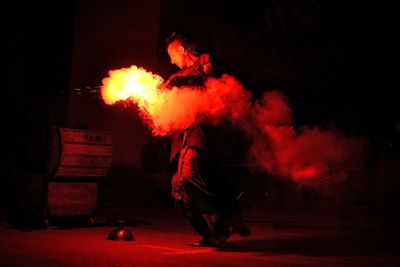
[{"x": 177, "y": 54}]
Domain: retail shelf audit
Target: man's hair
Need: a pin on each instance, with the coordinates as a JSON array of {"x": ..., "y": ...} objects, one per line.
[{"x": 185, "y": 42}]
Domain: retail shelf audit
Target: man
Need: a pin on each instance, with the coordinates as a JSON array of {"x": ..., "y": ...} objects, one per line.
[
  {"x": 195, "y": 186},
  {"x": 193, "y": 65}
]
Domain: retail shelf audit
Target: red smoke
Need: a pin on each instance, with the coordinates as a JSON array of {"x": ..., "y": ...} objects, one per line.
[
  {"x": 164, "y": 110},
  {"x": 307, "y": 155}
]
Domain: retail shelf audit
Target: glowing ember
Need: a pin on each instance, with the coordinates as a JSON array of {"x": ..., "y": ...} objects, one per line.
[
  {"x": 306, "y": 173},
  {"x": 120, "y": 233}
]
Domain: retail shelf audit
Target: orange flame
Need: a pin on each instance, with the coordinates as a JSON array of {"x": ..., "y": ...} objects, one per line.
[
  {"x": 132, "y": 83},
  {"x": 135, "y": 84},
  {"x": 163, "y": 110}
]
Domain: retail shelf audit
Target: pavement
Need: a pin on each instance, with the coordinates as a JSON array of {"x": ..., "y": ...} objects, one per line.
[{"x": 164, "y": 238}]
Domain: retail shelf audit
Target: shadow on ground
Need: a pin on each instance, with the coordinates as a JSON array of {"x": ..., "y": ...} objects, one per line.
[{"x": 344, "y": 245}]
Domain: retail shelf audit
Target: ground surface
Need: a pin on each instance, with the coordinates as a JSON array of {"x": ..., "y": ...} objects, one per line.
[{"x": 166, "y": 241}]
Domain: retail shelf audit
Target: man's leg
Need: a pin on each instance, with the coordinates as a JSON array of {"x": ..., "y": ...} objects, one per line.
[
  {"x": 197, "y": 221},
  {"x": 202, "y": 201}
]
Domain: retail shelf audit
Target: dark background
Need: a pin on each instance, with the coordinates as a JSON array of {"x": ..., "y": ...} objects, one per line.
[{"x": 335, "y": 62}]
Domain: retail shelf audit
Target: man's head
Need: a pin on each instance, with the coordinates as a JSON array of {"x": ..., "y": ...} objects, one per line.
[{"x": 181, "y": 51}]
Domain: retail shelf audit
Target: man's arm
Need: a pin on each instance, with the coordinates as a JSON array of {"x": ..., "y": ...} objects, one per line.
[
  {"x": 207, "y": 68},
  {"x": 205, "y": 64}
]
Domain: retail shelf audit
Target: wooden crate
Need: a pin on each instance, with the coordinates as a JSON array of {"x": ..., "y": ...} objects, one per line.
[
  {"x": 78, "y": 160},
  {"x": 80, "y": 153}
]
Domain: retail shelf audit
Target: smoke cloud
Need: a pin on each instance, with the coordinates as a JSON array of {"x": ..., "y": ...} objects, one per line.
[{"x": 306, "y": 155}]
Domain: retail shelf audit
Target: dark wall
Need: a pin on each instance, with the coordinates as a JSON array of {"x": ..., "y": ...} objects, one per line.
[
  {"x": 335, "y": 61},
  {"x": 36, "y": 51},
  {"x": 50, "y": 50},
  {"x": 112, "y": 35}
]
